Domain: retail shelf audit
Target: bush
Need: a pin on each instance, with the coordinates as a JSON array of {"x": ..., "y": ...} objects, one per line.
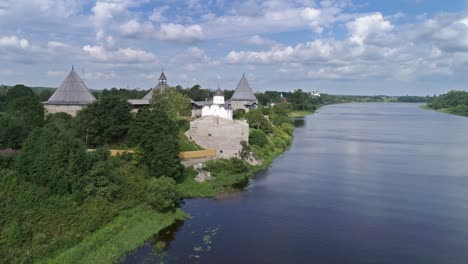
[
  {"x": 287, "y": 128},
  {"x": 235, "y": 166},
  {"x": 102, "y": 180},
  {"x": 257, "y": 137},
  {"x": 162, "y": 193},
  {"x": 52, "y": 158},
  {"x": 256, "y": 119},
  {"x": 239, "y": 114}
]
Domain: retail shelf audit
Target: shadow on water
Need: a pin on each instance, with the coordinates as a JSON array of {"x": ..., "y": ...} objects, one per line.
[
  {"x": 298, "y": 122},
  {"x": 156, "y": 246}
]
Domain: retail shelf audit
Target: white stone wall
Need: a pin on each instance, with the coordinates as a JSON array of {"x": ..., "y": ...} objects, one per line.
[
  {"x": 216, "y": 110},
  {"x": 69, "y": 109},
  {"x": 222, "y": 134},
  {"x": 218, "y": 99}
]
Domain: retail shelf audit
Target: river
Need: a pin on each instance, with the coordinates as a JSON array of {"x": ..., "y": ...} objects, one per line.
[{"x": 361, "y": 183}]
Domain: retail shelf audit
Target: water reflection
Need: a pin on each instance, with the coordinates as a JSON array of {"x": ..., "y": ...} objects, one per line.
[{"x": 298, "y": 122}]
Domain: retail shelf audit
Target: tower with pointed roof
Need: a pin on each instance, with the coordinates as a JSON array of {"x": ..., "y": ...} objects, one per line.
[
  {"x": 145, "y": 101},
  {"x": 71, "y": 96},
  {"x": 161, "y": 86},
  {"x": 243, "y": 97}
]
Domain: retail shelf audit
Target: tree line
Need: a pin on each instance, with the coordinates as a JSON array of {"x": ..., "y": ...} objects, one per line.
[{"x": 455, "y": 102}]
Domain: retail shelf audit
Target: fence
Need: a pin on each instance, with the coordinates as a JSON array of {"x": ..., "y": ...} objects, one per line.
[{"x": 206, "y": 153}]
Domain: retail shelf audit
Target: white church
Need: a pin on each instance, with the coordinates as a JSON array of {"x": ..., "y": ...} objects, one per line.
[{"x": 218, "y": 107}]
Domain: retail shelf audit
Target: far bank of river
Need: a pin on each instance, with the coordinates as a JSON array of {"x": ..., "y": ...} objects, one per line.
[{"x": 361, "y": 183}]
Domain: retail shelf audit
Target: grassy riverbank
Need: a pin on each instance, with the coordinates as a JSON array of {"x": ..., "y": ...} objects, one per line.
[
  {"x": 126, "y": 232},
  {"x": 229, "y": 173},
  {"x": 301, "y": 113},
  {"x": 444, "y": 111},
  {"x": 453, "y": 102}
]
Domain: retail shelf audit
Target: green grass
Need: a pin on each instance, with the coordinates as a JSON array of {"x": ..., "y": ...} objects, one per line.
[
  {"x": 224, "y": 182},
  {"x": 187, "y": 144},
  {"x": 126, "y": 232},
  {"x": 301, "y": 113}
]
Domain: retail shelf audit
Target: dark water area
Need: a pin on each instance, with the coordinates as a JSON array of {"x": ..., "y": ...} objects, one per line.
[{"x": 361, "y": 183}]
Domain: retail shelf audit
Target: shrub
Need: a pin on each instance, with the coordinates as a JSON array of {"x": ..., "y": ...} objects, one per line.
[
  {"x": 256, "y": 119},
  {"x": 288, "y": 128},
  {"x": 239, "y": 114},
  {"x": 227, "y": 166},
  {"x": 52, "y": 158},
  {"x": 162, "y": 193},
  {"x": 102, "y": 180},
  {"x": 257, "y": 137}
]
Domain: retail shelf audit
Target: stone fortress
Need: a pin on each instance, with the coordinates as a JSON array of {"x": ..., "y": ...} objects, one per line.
[
  {"x": 213, "y": 126},
  {"x": 71, "y": 96}
]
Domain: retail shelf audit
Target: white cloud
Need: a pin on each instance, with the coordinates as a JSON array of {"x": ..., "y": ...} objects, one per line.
[
  {"x": 260, "y": 41},
  {"x": 56, "y": 44},
  {"x": 13, "y": 42},
  {"x": 363, "y": 27},
  {"x": 180, "y": 33},
  {"x": 130, "y": 28},
  {"x": 107, "y": 11},
  {"x": 454, "y": 37},
  {"x": 157, "y": 15},
  {"x": 273, "y": 17},
  {"x": 127, "y": 55}
]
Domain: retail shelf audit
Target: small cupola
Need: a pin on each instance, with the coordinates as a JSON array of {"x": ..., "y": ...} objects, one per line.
[{"x": 218, "y": 97}]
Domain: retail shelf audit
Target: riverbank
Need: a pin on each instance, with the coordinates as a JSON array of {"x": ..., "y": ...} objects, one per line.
[
  {"x": 442, "y": 110},
  {"x": 126, "y": 232},
  {"x": 301, "y": 113},
  {"x": 228, "y": 174},
  {"x": 133, "y": 227}
]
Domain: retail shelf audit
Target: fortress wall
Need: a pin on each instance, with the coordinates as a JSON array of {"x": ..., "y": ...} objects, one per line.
[{"x": 69, "y": 109}]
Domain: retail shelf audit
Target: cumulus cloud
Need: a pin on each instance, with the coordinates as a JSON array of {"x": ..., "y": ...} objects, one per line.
[
  {"x": 454, "y": 37},
  {"x": 127, "y": 55},
  {"x": 130, "y": 28},
  {"x": 180, "y": 33},
  {"x": 260, "y": 41},
  {"x": 13, "y": 42},
  {"x": 363, "y": 27},
  {"x": 275, "y": 16},
  {"x": 374, "y": 48}
]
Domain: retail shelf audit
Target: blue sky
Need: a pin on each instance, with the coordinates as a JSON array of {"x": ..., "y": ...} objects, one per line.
[{"x": 393, "y": 47}]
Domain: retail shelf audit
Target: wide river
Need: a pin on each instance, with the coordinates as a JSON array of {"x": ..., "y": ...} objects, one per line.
[{"x": 361, "y": 183}]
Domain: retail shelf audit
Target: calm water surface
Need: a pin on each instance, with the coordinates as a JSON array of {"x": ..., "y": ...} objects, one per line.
[{"x": 362, "y": 183}]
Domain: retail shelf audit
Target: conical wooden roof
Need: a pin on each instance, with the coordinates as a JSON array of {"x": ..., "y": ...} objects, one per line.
[
  {"x": 161, "y": 86},
  {"x": 72, "y": 91},
  {"x": 243, "y": 91}
]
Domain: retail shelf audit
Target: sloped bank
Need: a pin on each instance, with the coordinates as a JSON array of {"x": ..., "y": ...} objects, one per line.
[{"x": 228, "y": 173}]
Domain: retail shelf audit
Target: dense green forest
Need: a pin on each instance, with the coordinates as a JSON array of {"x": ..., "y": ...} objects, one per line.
[{"x": 453, "y": 102}]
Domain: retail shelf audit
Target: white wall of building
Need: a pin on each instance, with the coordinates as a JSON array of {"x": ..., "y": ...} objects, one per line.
[
  {"x": 218, "y": 99},
  {"x": 217, "y": 110}
]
